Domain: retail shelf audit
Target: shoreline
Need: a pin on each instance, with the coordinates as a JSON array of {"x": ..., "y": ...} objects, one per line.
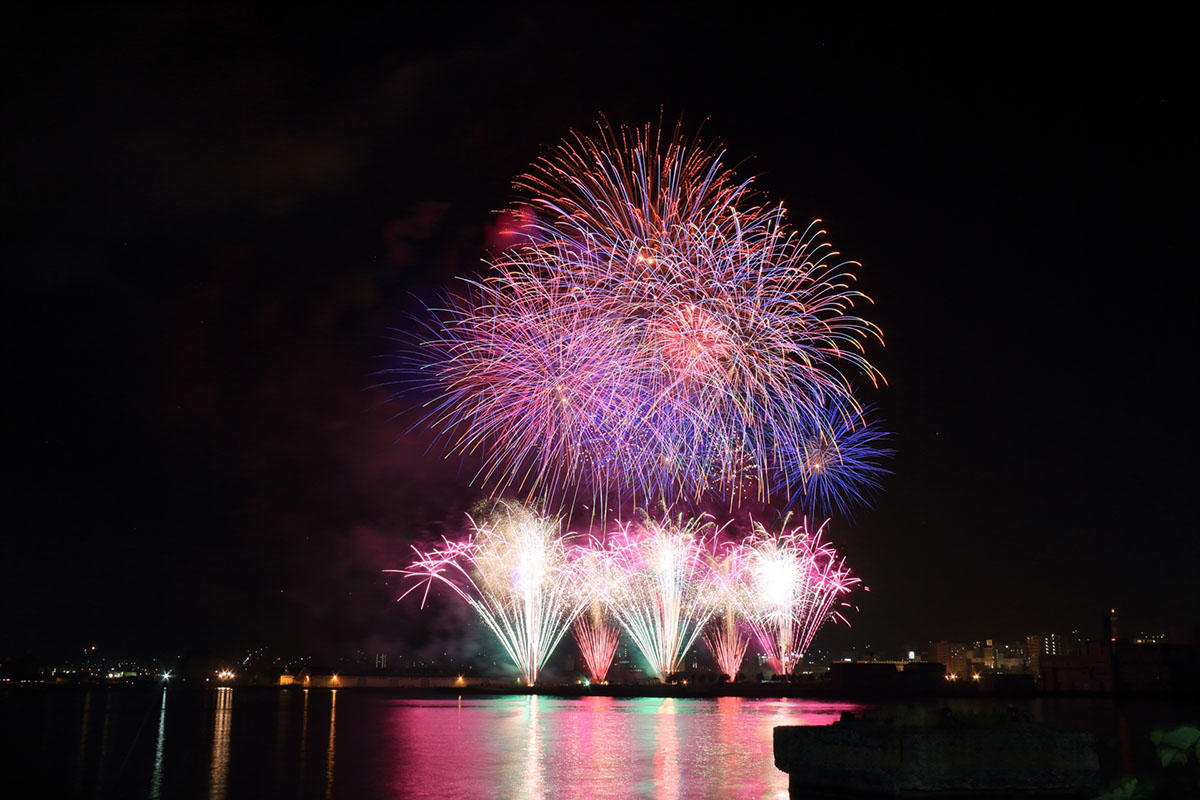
[{"x": 755, "y": 691}]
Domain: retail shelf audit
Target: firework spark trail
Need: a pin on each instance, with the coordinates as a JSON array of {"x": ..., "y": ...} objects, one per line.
[
  {"x": 792, "y": 581},
  {"x": 661, "y": 334},
  {"x": 723, "y": 635},
  {"x": 727, "y": 644},
  {"x": 659, "y": 587},
  {"x": 597, "y": 639},
  {"x": 841, "y": 461},
  {"x": 515, "y": 571}
]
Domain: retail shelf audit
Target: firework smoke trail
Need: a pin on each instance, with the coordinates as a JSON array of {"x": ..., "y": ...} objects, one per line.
[
  {"x": 515, "y": 571},
  {"x": 659, "y": 587},
  {"x": 792, "y": 580},
  {"x": 661, "y": 334},
  {"x": 597, "y": 639}
]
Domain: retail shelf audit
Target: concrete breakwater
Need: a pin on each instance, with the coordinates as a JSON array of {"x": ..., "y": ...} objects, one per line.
[{"x": 937, "y": 754}]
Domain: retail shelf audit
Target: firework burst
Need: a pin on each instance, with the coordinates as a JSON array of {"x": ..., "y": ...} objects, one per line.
[
  {"x": 841, "y": 461},
  {"x": 660, "y": 334},
  {"x": 515, "y": 571}
]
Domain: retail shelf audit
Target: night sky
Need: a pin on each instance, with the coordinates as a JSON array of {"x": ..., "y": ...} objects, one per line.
[{"x": 216, "y": 217}]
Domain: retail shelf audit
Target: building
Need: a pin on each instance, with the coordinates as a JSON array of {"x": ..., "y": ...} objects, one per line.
[
  {"x": 1038, "y": 645},
  {"x": 1124, "y": 667},
  {"x": 951, "y": 655}
]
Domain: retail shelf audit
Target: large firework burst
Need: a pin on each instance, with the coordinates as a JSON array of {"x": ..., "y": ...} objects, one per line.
[{"x": 661, "y": 334}]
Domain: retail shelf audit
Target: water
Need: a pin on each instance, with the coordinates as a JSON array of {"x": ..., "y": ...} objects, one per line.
[
  {"x": 258, "y": 742},
  {"x": 245, "y": 742}
]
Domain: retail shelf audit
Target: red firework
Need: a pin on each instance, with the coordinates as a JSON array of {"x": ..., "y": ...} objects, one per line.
[
  {"x": 597, "y": 639},
  {"x": 727, "y": 645}
]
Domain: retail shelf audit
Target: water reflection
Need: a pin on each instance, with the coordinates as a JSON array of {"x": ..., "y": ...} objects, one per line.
[
  {"x": 303, "y": 734},
  {"x": 103, "y": 744},
  {"x": 156, "y": 777},
  {"x": 534, "y": 785},
  {"x": 83, "y": 737},
  {"x": 666, "y": 755},
  {"x": 495, "y": 747},
  {"x": 728, "y": 730},
  {"x": 329, "y": 755},
  {"x": 218, "y": 778},
  {"x": 544, "y": 747}
]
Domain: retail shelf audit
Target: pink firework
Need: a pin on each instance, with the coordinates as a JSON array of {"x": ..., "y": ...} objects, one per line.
[
  {"x": 516, "y": 571},
  {"x": 791, "y": 584},
  {"x": 597, "y": 639}
]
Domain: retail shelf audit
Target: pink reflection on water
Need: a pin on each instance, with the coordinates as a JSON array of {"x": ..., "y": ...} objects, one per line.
[
  {"x": 666, "y": 756},
  {"x": 593, "y": 747}
]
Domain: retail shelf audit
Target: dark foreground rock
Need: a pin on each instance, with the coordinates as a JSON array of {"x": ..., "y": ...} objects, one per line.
[{"x": 937, "y": 756}]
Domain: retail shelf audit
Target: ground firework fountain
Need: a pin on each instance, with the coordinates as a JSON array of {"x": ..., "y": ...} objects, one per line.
[
  {"x": 514, "y": 569},
  {"x": 660, "y": 587},
  {"x": 597, "y": 638},
  {"x": 723, "y": 636},
  {"x": 791, "y": 584}
]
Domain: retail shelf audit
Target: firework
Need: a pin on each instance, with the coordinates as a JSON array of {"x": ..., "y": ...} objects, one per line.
[
  {"x": 727, "y": 644},
  {"x": 841, "y": 460},
  {"x": 597, "y": 639},
  {"x": 723, "y": 635},
  {"x": 660, "y": 333},
  {"x": 515, "y": 571},
  {"x": 659, "y": 587},
  {"x": 791, "y": 582}
]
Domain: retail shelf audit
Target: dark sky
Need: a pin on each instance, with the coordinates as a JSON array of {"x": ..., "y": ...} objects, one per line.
[{"x": 215, "y": 217}]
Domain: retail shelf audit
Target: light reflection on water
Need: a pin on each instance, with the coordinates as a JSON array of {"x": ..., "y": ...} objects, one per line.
[
  {"x": 586, "y": 748},
  {"x": 544, "y": 747},
  {"x": 666, "y": 756},
  {"x": 156, "y": 776},
  {"x": 332, "y": 738},
  {"x": 218, "y": 779}
]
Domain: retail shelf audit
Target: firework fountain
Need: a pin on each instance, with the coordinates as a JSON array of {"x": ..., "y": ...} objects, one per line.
[
  {"x": 723, "y": 636},
  {"x": 515, "y": 571},
  {"x": 659, "y": 586},
  {"x": 597, "y": 638},
  {"x": 791, "y": 582}
]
